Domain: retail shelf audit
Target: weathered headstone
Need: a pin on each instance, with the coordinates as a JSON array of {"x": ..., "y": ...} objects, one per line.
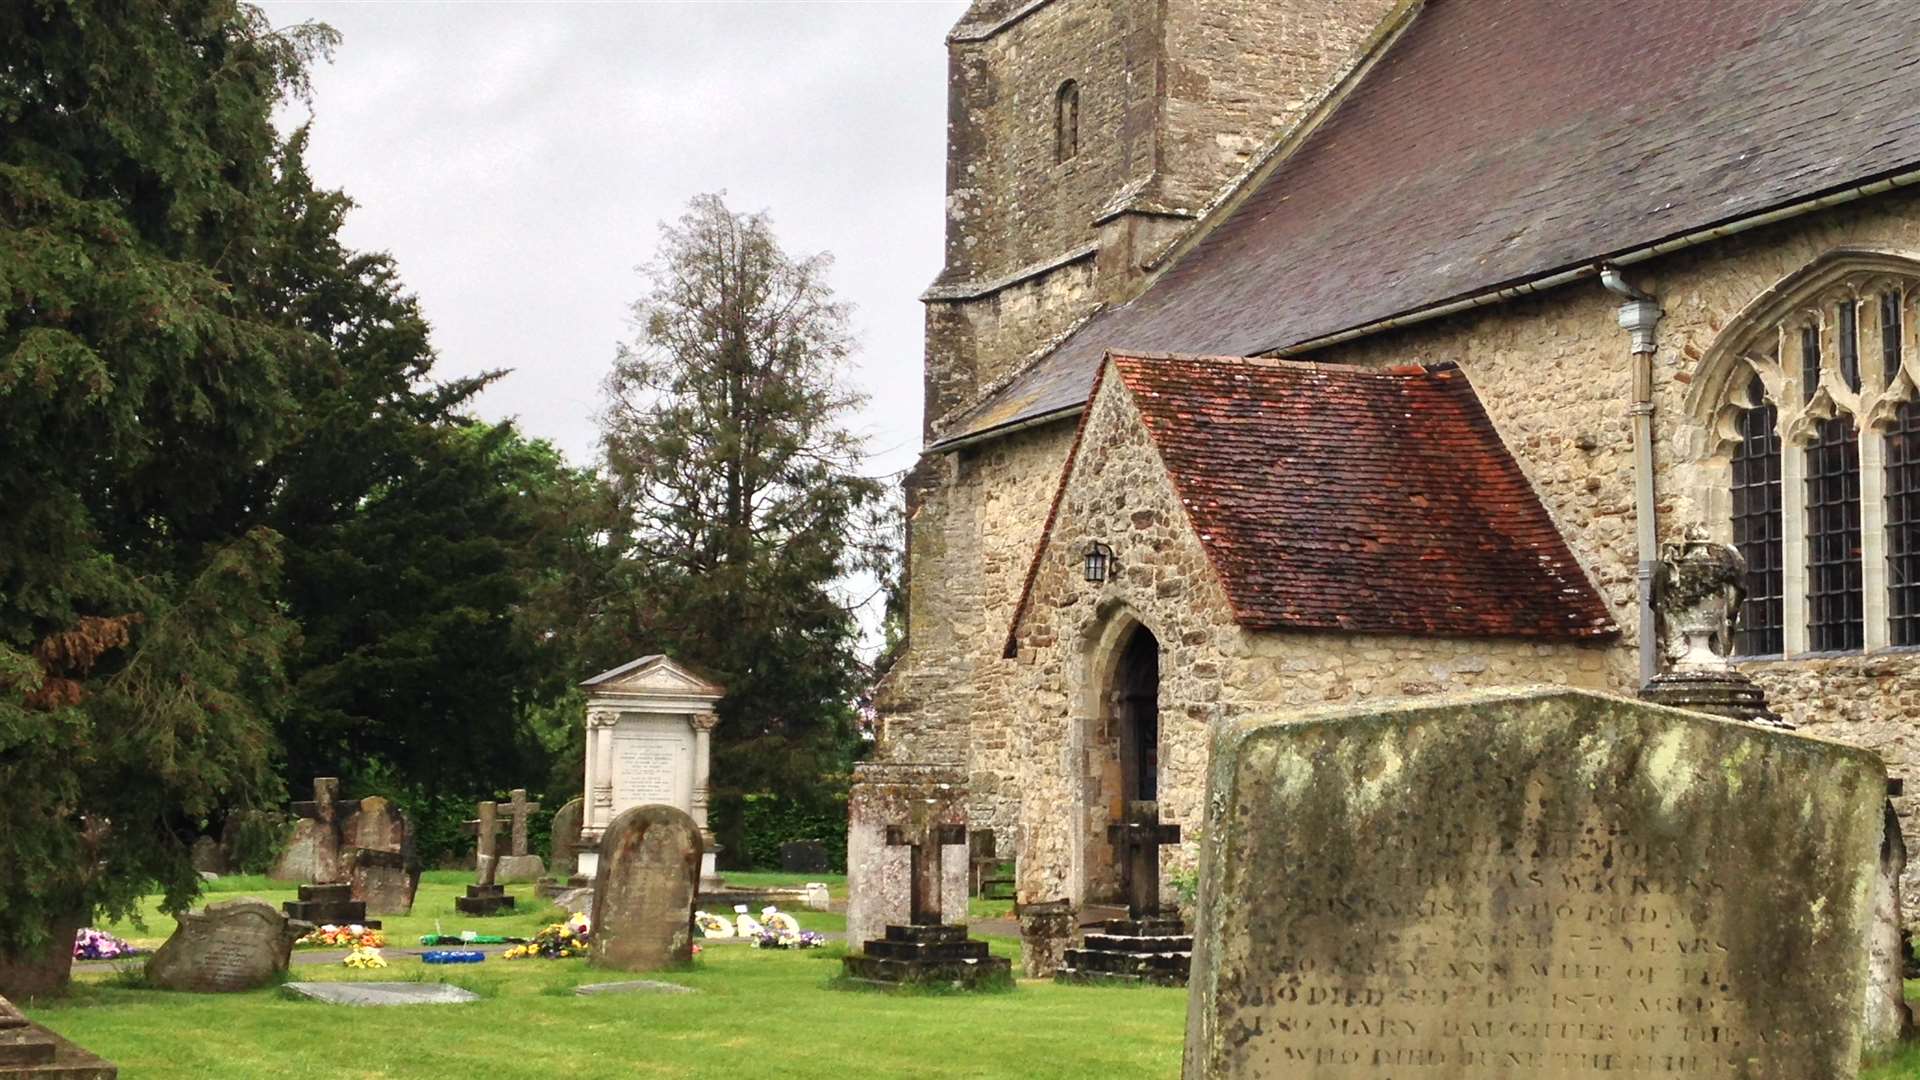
[
  {"x": 375, "y": 824},
  {"x": 313, "y": 853},
  {"x": 643, "y": 890},
  {"x": 1547, "y": 884},
  {"x": 207, "y": 857},
  {"x": 896, "y": 796},
  {"x": 382, "y": 881},
  {"x": 649, "y": 732},
  {"x": 563, "y": 850},
  {"x": 804, "y": 857},
  {"x": 31, "y": 1052},
  {"x": 232, "y": 945},
  {"x": 519, "y": 864}
]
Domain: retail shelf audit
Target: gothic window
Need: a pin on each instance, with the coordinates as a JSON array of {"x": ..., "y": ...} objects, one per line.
[
  {"x": 1835, "y": 617},
  {"x": 1066, "y": 122},
  {"x": 1903, "y": 526},
  {"x": 1757, "y": 526},
  {"x": 1811, "y": 408}
]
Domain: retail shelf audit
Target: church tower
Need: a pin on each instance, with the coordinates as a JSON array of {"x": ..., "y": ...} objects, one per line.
[{"x": 1083, "y": 137}]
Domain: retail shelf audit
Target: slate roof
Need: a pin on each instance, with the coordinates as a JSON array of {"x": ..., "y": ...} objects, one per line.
[
  {"x": 1500, "y": 141},
  {"x": 1347, "y": 499}
]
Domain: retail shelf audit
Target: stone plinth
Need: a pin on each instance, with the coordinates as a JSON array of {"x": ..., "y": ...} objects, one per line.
[
  {"x": 31, "y": 1052},
  {"x": 1046, "y": 929},
  {"x": 484, "y": 900},
  {"x": 332, "y": 903},
  {"x": 901, "y": 796},
  {"x": 381, "y": 881},
  {"x": 927, "y": 956},
  {"x": 1546, "y": 884},
  {"x": 230, "y": 946},
  {"x": 649, "y": 734}
]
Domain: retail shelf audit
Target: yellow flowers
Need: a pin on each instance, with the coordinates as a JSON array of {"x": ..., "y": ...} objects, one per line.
[{"x": 364, "y": 956}]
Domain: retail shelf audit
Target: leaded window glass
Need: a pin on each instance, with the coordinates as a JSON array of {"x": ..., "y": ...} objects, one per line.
[
  {"x": 1903, "y": 526},
  {"x": 1850, "y": 344},
  {"x": 1890, "y": 335},
  {"x": 1835, "y": 620},
  {"x": 1757, "y": 526}
]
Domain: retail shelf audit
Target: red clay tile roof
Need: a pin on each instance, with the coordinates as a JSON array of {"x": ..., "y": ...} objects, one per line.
[
  {"x": 1500, "y": 141},
  {"x": 1357, "y": 500}
]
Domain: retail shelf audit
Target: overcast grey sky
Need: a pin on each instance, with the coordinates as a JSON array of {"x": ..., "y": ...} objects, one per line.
[{"x": 515, "y": 158}]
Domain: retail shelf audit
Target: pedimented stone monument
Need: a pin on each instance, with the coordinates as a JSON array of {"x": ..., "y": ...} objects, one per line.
[
  {"x": 229, "y": 946},
  {"x": 649, "y": 724},
  {"x": 1544, "y": 883},
  {"x": 643, "y": 890}
]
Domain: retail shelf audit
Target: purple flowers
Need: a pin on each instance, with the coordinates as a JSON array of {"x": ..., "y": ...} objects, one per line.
[
  {"x": 805, "y": 939},
  {"x": 91, "y": 944}
]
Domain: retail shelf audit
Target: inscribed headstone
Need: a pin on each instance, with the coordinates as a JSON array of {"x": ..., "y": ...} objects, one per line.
[
  {"x": 1541, "y": 884},
  {"x": 643, "y": 890},
  {"x": 382, "y": 880},
  {"x": 233, "y": 945}
]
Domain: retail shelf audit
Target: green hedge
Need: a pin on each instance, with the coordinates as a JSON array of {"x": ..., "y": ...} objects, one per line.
[{"x": 768, "y": 821}]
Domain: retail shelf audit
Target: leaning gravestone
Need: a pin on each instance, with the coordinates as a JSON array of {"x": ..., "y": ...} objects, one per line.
[
  {"x": 233, "y": 945},
  {"x": 1544, "y": 884},
  {"x": 643, "y": 890}
]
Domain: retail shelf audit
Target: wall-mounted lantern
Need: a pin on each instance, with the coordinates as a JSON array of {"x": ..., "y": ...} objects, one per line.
[{"x": 1099, "y": 561}]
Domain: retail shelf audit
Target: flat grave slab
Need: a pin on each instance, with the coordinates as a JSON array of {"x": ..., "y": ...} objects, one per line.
[
  {"x": 382, "y": 993},
  {"x": 633, "y": 986}
]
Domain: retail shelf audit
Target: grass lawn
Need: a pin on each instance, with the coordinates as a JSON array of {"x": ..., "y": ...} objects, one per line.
[{"x": 757, "y": 1014}]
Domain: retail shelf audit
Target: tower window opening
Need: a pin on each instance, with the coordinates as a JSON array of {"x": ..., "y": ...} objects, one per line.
[{"x": 1066, "y": 122}]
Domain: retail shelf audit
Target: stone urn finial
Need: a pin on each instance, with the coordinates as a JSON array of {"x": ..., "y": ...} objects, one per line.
[{"x": 1698, "y": 589}]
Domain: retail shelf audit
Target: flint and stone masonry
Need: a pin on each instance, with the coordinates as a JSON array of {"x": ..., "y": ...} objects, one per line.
[{"x": 1546, "y": 883}]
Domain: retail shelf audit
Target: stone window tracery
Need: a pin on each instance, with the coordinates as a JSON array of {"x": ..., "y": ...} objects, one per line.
[
  {"x": 1817, "y": 453},
  {"x": 1066, "y": 122}
]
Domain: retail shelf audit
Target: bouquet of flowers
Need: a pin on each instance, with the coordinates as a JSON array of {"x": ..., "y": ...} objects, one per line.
[
  {"x": 364, "y": 956},
  {"x": 559, "y": 940},
  {"x": 801, "y": 939},
  {"x": 338, "y": 937},
  {"x": 712, "y": 926},
  {"x": 91, "y": 944}
]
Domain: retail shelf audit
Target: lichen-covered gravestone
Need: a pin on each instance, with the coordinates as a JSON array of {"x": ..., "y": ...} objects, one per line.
[
  {"x": 234, "y": 945},
  {"x": 643, "y": 890},
  {"x": 895, "y": 797},
  {"x": 1541, "y": 884}
]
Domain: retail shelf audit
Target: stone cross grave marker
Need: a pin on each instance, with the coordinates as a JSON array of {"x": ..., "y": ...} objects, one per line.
[
  {"x": 326, "y": 790},
  {"x": 486, "y": 828},
  {"x": 313, "y": 854},
  {"x": 923, "y": 845},
  {"x": 1139, "y": 838},
  {"x": 519, "y": 810},
  {"x": 1538, "y": 882}
]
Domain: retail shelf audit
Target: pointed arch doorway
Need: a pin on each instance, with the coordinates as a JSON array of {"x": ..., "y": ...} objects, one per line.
[{"x": 1129, "y": 753}]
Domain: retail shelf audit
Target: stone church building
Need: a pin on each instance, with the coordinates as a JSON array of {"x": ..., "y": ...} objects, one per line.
[{"x": 1293, "y": 352}]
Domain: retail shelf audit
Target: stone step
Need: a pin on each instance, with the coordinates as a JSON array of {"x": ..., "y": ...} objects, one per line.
[
  {"x": 325, "y": 894},
  {"x": 927, "y": 934},
  {"x": 918, "y": 950},
  {"x": 1129, "y": 943},
  {"x": 1151, "y": 926},
  {"x": 1121, "y": 963},
  {"x": 1082, "y": 977},
  {"x": 959, "y": 973},
  {"x": 335, "y": 912},
  {"x": 482, "y": 905}
]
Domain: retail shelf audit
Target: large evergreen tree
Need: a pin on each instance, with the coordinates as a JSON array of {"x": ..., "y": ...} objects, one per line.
[
  {"x": 726, "y": 439},
  {"x": 147, "y": 362}
]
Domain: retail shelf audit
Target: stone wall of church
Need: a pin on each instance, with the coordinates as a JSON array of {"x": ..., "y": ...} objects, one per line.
[
  {"x": 1554, "y": 374},
  {"x": 1058, "y": 776},
  {"x": 976, "y": 344},
  {"x": 1240, "y": 74}
]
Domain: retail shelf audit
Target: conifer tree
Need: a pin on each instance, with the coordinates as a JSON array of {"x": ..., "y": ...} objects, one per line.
[{"x": 726, "y": 440}]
